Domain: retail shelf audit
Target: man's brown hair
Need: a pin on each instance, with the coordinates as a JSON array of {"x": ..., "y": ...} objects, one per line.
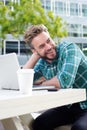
[{"x": 32, "y": 32}]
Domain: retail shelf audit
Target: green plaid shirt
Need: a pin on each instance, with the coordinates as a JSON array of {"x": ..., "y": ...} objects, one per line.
[{"x": 70, "y": 67}]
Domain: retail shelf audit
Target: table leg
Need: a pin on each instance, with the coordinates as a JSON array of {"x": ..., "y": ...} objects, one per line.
[
  {"x": 12, "y": 124},
  {"x": 27, "y": 120}
]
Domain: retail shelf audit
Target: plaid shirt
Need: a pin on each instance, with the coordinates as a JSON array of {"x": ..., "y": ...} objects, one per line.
[{"x": 70, "y": 67}]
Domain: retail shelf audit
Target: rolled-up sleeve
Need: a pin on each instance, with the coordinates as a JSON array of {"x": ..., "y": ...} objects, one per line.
[{"x": 70, "y": 59}]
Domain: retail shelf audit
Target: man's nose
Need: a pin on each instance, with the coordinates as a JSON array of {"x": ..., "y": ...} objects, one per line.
[{"x": 48, "y": 46}]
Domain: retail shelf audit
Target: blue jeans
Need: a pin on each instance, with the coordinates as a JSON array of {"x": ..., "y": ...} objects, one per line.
[{"x": 59, "y": 116}]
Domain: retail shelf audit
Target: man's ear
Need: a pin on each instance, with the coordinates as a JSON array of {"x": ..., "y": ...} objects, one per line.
[{"x": 33, "y": 50}]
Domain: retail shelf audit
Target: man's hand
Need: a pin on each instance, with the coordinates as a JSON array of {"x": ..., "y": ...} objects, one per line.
[
  {"x": 39, "y": 81},
  {"x": 52, "y": 82}
]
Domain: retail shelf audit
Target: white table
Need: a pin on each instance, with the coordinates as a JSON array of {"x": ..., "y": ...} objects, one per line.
[{"x": 13, "y": 103}]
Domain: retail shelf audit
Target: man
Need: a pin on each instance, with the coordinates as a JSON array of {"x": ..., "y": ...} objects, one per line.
[{"x": 62, "y": 66}]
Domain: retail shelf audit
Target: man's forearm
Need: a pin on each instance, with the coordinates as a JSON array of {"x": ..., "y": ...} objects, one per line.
[{"x": 31, "y": 62}]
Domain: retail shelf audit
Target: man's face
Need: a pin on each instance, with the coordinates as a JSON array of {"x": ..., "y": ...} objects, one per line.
[{"x": 44, "y": 46}]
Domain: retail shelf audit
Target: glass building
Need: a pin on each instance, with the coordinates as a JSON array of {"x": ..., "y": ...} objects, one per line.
[{"x": 74, "y": 12}]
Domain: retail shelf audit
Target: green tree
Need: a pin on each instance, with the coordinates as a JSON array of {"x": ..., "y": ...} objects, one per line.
[
  {"x": 15, "y": 18},
  {"x": 4, "y": 22}
]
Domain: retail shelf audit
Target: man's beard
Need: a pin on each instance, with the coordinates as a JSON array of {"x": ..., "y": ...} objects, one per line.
[{"x": 45, "y": 57}]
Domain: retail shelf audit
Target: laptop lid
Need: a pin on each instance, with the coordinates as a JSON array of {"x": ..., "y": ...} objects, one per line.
[{"x": 8, "y": 67}]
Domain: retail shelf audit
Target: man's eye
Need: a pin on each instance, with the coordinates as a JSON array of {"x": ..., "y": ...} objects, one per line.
[
  {"x": 48, "y": 40},
  {"x": 42, "y": 46}
]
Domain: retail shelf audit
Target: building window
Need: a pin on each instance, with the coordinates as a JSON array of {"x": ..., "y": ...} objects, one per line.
[
  {"x": 10, "y": 46},
  {"x": 73, "y": 9},
  {"x": 84, "y": 10},
  {"x": 60, "y": 7},
  {"x": 16, "y": 46},
  {"x": 84, "y": 31},
  {"x": 75, "y": 30},
  {"x": 47, "y": 5}
]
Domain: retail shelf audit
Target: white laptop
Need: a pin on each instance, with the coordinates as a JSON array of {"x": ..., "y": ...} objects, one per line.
[
  {"x": 8, "y": 67},
  {"x": 8, "y": 74}
]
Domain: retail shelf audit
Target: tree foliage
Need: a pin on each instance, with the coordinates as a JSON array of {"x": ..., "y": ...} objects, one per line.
[{"x": 15, "y": 18}]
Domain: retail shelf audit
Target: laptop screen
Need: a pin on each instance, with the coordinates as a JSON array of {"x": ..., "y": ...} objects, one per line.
[{"x": 8, "y": 67}]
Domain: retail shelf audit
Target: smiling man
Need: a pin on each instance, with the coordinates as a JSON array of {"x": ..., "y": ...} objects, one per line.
[
  {"x": 62, "y": 66},
  {"x": 42, "y": 47}
]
